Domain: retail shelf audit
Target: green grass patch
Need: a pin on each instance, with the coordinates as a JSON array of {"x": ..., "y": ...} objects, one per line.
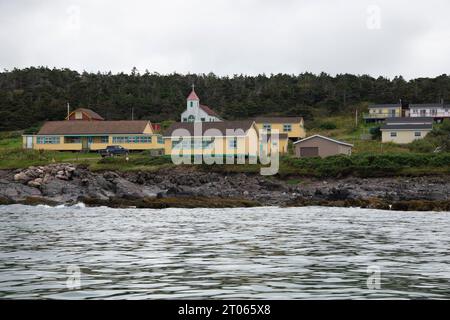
[
  {"x": 135, "y": 162},
  {"x": 294, "y": 182}
]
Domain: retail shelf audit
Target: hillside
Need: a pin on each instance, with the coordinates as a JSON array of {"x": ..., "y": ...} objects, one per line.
[{"x": 30, "y": 96}]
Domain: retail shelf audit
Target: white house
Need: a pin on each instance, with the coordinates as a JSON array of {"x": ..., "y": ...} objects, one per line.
[
  {"x": 195, "y": 112},
  {"x": 438, "y": 111},
  {"x": 406, "y": 130}
]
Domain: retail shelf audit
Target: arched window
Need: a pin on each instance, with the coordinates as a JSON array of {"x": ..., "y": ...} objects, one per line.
[{"x": 191, "y": 118}]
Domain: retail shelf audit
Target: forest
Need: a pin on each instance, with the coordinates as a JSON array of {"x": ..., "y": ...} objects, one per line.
[{"x": 30, "y": 96}]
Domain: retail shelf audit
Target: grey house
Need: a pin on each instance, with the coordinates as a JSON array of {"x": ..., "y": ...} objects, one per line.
[{"x": 320, "y": 146}]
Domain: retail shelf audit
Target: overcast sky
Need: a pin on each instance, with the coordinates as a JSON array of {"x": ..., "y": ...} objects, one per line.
[{"x": 388, "y": 38}]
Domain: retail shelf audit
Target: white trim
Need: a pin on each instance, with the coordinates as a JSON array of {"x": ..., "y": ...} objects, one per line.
[
  {"x": 391, "y": 129},
  {"x": 381, "y": 107},
  {"x": 195, "y": 137},
  {"x": 326, "y": 138}
]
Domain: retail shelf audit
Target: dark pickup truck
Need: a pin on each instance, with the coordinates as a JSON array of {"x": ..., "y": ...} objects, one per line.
[{"x": 111, "y": 151}]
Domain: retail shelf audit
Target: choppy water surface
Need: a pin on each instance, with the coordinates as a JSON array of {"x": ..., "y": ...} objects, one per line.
[{"x": 274, "y": 253}]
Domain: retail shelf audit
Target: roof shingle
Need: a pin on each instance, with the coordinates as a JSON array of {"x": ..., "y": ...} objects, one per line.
[
  {"x": 209, "y": 111},
  {"x": 407, "y": 127},
  {"x": 222, "y": 126},
  {"x": 91, "y": 114},
  {"x": 93, "y": 127},
  {"x": 278, "y": 119}
]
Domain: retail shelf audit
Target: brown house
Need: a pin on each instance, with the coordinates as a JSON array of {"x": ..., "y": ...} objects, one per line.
[{"x": 320, "y": 146}]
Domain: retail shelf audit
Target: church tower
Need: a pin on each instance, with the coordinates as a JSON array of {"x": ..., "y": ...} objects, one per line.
[
  {"x": 193, "y": 101},
  {"x": 195, "y": 112}
]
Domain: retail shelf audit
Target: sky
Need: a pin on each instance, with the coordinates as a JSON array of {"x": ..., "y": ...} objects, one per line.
[{"x": 227, "y": 37}]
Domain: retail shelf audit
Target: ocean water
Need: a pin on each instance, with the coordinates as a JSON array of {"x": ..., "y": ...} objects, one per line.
[{"x": 247, "y": 253}]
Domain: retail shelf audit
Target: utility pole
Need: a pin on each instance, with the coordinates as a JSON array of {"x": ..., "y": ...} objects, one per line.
[
  {"x": 132, "y": 113},
  {"x": 68, "y": 109},
  {"x": 356, "y": 118}
]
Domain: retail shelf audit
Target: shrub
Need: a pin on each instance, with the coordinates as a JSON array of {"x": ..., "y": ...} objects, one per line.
[
  {"x": 327, "y": 125},
  {"x": 422, "y": 146},
  {"x": 375, "y": 132},
  {"x": 367, "y": 165}
]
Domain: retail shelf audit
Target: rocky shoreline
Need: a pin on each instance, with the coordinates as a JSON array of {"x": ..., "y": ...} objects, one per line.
[{"x": 190, "y": 188}]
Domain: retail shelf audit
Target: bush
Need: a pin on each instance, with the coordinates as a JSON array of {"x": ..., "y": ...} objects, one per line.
[
  {"x": 327, "y": 125},
  {"x": 422, "y": 146},
  {"x": 375, "y": 132},
  {"x": 367, "y": 165}
]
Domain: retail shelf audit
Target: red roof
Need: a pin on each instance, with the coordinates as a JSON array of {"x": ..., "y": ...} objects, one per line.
[
  {"x": 193, "y": 96},
  {"x": 91, "y": 114},
  {"x": 209, "y": 111}
]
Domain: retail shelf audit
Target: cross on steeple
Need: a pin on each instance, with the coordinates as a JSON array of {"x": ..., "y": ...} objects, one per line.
[{"x": 193, "y": 87}]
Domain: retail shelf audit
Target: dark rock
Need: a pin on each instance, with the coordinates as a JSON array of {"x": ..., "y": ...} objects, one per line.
[
  {"x": 128, "y": 190},
  {"x": 65, "y": 183}
]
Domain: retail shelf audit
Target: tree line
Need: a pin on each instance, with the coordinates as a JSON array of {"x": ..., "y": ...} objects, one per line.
[{"x": 33, "y": 95}]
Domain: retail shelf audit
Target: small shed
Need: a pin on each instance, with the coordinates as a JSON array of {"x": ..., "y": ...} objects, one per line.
[{"x": 320, "y": 146}]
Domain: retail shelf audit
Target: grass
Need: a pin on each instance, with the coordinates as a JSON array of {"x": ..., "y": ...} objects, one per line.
[
  {"x": 9, "y": 140},
  {"x": 136, "y": 162},
  {"x": 294, "y": 182}
]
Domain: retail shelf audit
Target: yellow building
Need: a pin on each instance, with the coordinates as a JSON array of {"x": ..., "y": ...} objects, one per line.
[
  {"x": 292, "y": 126},
  {"x": 227, "y": 138},
  {"x": 380, "y": 112},
  {"x": 267, "y": 143},
  {"x": 406, "y": 130},
  {"x": 88, "y": 135}
]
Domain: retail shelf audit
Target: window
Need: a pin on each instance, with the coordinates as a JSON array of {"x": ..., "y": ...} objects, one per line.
[
  {"x": 202, "y": 119},
  {"x": 160, "y": 140},
  {"x": 78, "y": 115},
  {"x": 287, "y": 127},
  {"x": 232, "y": 143},
  {"x": 267, "y": 126},
  {"x": 184, "y": 119},
  {"x": 393, "y": 134},
  {"x": 175, "y": 143},
  {"x": 47, "y": 140},
  {"x": 433, "y": 112},
  {"x": 414, "y": 110},
  {"x": 417, "y": 134},
  {"x": 104, "y": 139},
  {"x": 133, "y": 139},
  {"x": 72, "y": 140},
  {"x": 191, "y": 118},
  {"x": 118, "y": 139},
  {"x": 191, "y": 104},
  {"x": 423, "y": 113},
  {"x": 207, "y": 143}
]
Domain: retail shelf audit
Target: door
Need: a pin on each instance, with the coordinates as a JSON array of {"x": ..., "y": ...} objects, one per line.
[
  {"x": 309, "y": 152},
  {"x": 29, "y": 142},
  {"x": 84, "y": 143}
]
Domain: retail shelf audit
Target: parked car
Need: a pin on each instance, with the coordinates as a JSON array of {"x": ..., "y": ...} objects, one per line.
[{"x": 112, "y": 151}]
